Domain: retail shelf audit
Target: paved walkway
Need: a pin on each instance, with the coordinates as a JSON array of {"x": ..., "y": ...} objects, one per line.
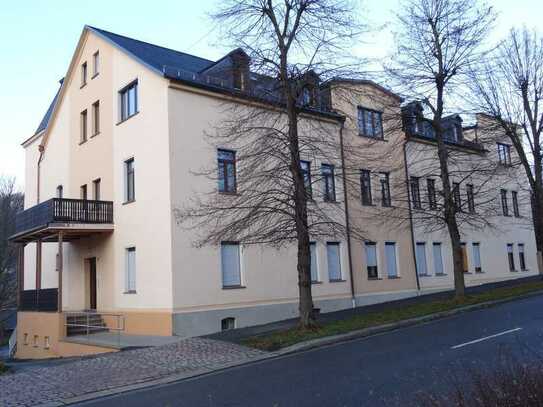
[{"x": 53, "y": 385}]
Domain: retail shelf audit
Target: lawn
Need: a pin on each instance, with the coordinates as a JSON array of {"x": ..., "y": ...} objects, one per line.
[{"x": 292, "y": 336}]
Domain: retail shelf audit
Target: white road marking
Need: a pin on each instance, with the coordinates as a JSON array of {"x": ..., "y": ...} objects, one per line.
[{"x": 486, "y": 338}]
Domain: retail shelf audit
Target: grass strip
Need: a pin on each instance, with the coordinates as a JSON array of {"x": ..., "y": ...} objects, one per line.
[{"x": 281, "y": 339}]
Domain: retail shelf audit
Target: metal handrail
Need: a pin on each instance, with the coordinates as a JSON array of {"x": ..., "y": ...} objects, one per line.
[{"x": 119, "y": 326}]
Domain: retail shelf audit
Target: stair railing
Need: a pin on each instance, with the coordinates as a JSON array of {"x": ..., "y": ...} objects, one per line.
[{"x": 89, "y": 326}]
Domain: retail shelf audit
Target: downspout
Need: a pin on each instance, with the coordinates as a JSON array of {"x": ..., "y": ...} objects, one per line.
[
  {"x": 413, "y": 247},
  {"x": 347, "y": 222},
  {"x": 41, "y": 149}
]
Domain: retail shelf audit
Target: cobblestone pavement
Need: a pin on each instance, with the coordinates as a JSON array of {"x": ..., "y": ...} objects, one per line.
[{"x": 50, "y": 385}]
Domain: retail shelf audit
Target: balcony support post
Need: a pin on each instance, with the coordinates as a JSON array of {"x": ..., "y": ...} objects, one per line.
[
  {"x": 38, "y": 264},
  {"x": 60, "y": 267},
  {"x": 20, "y": 272}
]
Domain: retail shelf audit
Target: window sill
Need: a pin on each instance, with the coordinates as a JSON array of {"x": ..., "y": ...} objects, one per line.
[
  {"x": 316, "y": 282},
  {"x": 83, "y": 85},
  {"x": 480, "y": 272},
  {"x": 95, "y": 75},
  {"x": 374, "y": 278},
  {"x": 393, "y": 277},
  {"x": 329, "y": 201},
  {"x": 441, "y": 275},
  {"x": 513, "y": 271},
  {"x": 83, "y": 142},
  {"x": 130, "y": 292},
  {"x": 226, "y": 193},
  {"x": 425, "y": 275},
  {"x": 232, "y": 287},
  {"x": 524, "y": 270},
  {"x": 129, "y": 202},
  {"x": 337, "y": 281},
  {"x": 95, "y": 134},
  {"x": 126, "y": 118},
  {"x": 373, "y": 138}
]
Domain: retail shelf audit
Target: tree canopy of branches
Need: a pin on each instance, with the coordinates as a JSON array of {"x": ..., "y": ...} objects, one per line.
[
  {"x": 437, "y": 43},
  {"x": 508, "y": 88},
  {"x": 11, "y": 202},
  {"x": 275, "y": 202}
]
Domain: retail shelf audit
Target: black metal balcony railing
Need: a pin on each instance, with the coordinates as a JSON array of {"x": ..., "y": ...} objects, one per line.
[
  {"x": 39, "y": 300},
  {"x": 62, "y": 210}
]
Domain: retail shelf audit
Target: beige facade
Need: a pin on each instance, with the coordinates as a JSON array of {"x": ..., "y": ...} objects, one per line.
[{"x": 177, "y": 288}]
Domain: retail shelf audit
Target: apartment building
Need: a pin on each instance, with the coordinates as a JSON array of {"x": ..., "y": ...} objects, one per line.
[{"x": 114, "y": 157}]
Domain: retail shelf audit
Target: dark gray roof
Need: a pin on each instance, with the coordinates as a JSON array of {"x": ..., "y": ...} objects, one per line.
[
  {"x": 47, "y": 116},
  {"x": 182, "y": 67},
  {"x": 156, "y": 56}
]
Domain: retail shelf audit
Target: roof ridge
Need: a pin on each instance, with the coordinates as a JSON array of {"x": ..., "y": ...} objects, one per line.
[{"x": 148, "y": 43}]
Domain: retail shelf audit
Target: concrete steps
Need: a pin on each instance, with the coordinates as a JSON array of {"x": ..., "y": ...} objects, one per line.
[{"x": 81, "y": 324}]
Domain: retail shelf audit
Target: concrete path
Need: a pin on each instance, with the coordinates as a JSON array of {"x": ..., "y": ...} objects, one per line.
[
  {"x": 68, "y": 382},
  {"x": 121, "y": 341},
  {"x": 390, "y": 369}
]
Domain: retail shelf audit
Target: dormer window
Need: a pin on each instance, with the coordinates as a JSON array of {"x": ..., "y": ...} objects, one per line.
[
  {"x": 239, "y": 79},
  {"x": 307, "y": 96}
]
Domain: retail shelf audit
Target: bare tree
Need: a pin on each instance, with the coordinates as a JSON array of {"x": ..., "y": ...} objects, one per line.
[
  {"x": 508, "y": 88},
  {"x": 438, "y": 41},
  {"x": 286, "y": 124},
  {"x": 11, "y": 202}
]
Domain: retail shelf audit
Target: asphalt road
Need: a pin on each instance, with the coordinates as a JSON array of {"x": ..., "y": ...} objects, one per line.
[{"x": 388, "y": 369}]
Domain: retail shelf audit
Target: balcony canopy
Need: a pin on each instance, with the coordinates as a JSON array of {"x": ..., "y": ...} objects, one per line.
[{"x": 75, "y": 218}]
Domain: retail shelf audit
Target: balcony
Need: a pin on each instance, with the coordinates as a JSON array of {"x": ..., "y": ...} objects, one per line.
[{"x": 76, "y": 218}]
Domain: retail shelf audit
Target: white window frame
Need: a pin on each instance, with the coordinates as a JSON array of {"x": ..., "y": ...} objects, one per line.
[
  {"x": 240, "y": 265},
  {"x": 434, "y": 259},
  {"x": 125, "y": 175},
  {"x": 128, "y": 288},
  {"x": 370, "y": 243},
  {"x": 96, "y": 63},
  {"x": 423, "y": 244},
  {"x": 476, "y": 256},
  {"x": 397, "y": 264},
  {"x": 338, "y": 244}
]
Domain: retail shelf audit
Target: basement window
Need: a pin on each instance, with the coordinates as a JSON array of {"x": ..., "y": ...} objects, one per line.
[{"x": 228, "y": 323}]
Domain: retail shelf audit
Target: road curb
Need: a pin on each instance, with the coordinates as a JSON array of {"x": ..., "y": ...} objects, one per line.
[
  {"x": 366, "y": 332},
  {"x": 299, "y": 347}
]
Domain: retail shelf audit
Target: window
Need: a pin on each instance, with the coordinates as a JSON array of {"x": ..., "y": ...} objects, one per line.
[
  {"x": 25, "y": 339},
  {"x": 420, "y": 257},
  {"x": 308, "y": 96},
  {"x": 371, "y": 259},
  {"x": 96, "y": 189},
  {"x": 365, "y": 182},
  {"x": 327, "y": 172},
  {"x": 83, "y": 74},
  {"x": 227, "y": 171},
  {"x": 128, "y": 101},
  {"x": 438, "y": 259},
  {"x": 314, "y": 266},
  {"x": 35, "y": 341},
  {"x": 96, "y": 63},
  {"x": 471, "y": 198},
  {"x": 510, "y": 257},
  {"x": 465, "y": 264},
  {"x": 477, "y": 257},
  {"x": 516, "y": 210},
  {"x": 130, "y": 181},
  {"x": 504, "y": 154},
  {"x": 505, "y": 208},
  {"x": 238, "y": 81},
  {"x": 390, "y": 255},
  {"x": 130, "y": 282},
  {"x": 96, "y": 118},
  {"x": 83, "y": 126},
  {"x": 415, "y": 192},
  {"x": 334, "y": 262},
  {"x": 230, "y": 264},
  {"x": 370, "y": 123},
  {"x": 431, "y": 187},
  {"x": 46, "y": 342},
  {"x": 228, "y": 323},
  {"x": 456, "y": 197},
  {"x": 83, "y": 192},
  {"x": 521, "y": 257},
  {"x": 385, "y": 190},
  {"x": 305, "y": 167},
  {"x": 60, "y": 191}
]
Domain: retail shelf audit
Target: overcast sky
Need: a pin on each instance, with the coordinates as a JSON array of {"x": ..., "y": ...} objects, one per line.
[{"x": 38, "y": 38}]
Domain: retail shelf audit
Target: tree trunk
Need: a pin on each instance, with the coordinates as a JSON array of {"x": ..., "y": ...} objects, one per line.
[{"x": 307, "y": 318}]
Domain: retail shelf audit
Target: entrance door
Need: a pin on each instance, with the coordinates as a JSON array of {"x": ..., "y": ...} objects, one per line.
[{"x": 92, "y": 283}]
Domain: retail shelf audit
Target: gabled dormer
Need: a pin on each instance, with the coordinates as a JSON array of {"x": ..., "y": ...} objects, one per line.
[{"x": 232, "y": 70}]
